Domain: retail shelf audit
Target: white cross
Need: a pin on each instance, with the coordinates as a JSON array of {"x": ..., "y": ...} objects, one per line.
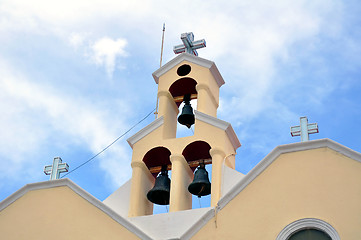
[
  {"x": 304, "y": 129},
  {"x": 55, "y": 169},
  {"x": 189, "y": 45}
]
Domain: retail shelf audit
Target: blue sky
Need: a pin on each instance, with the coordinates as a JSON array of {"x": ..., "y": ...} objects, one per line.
[{"x": 75, "y": 75}]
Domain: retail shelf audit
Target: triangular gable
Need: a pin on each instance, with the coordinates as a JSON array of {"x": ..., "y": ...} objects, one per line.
[
  {"x": 81, "y": 192},
  {"x": 193, "y": 59},
  {"x": 145, "y": 131},
  {"x": 287, "y": 148}
]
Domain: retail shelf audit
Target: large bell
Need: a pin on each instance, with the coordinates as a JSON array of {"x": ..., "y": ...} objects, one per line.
[
  {"x": 159, "y": 194},
  {"x": 187, "y": 116},
  {"x": 200, "y": 185}
]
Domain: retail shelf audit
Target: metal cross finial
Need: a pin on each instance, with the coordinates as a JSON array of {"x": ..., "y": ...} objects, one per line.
[
  {"x": 189, "y": 45},
  {"x": 304, "y": 129},
  {"x": 55, "y": 169}
]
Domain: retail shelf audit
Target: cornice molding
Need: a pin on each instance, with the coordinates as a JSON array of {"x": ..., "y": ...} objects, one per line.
[
  {"x": 225, "y": 126},
  {"x": 193, "y": 59},
  {"x": 145, "y": 131},
  {"x": 81, "y": 192}
]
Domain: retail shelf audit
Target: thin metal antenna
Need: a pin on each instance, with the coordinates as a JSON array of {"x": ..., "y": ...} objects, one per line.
[
  {"x": 161, "y": 49},
  {"x": 160, "y": 65}
]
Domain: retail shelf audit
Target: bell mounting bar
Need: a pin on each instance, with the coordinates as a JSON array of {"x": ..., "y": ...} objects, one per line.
[
  {"x": 192, "y": 164},
  {"x": 180, "y": 98}
]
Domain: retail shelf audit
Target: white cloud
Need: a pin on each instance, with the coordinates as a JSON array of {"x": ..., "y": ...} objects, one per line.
[
  {"x": 105, "y": 52},
  {"x": 77, "y": 39},
  {"x": 33, "y": 114}
]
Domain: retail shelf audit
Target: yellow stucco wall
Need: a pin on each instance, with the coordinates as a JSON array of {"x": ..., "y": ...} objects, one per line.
[
  {"x": 58, "y": 213},
  {"x": 200, "y": 74},
  {"x": 319, "y": 183}
]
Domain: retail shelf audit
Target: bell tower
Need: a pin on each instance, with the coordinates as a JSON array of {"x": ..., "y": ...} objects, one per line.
[{"x": 156, "y": 148}]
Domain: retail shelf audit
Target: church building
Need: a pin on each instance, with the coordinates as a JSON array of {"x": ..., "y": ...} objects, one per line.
[{"x": 310, "y": 190}]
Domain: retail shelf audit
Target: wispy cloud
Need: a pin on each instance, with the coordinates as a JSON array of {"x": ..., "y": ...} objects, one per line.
[
  {"x": 106, "y": 51},
  {"x": 33, "y": 114}
]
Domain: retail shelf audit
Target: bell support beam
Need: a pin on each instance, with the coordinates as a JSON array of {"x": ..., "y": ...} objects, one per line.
[
  {"x": 182, "y": 176},
  {"x": 218, "y": 156},
  {"x": 180, "y": 98},
  {"x": 191, "y": 164},
  {"x": 142, "y": 182}
]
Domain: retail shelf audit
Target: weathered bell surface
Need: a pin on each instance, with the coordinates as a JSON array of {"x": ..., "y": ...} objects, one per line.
[
  {"x": 159, "y": 194},
  {"x": 200, "y": 185},
  {"x": 187, "y": 117}
]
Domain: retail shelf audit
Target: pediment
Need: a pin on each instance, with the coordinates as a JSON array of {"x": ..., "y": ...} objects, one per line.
[{"x": 193, "y": 59}]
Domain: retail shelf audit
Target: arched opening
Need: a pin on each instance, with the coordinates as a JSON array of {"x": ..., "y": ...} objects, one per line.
[
  {"x": 155, "y": 158},
  {"x": 308, "y": 228},
  {"x": 180, "y": 88},
  {"x": 195, "y": 153},
  {"x": 310, "y": 234},
  {"x": 197, "y": 150}
]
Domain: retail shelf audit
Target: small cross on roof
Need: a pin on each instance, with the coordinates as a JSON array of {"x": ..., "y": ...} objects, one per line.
[
  {"x": 189, "y": 45},
  {"x": 304, "y": 129},
  {"x": 55, "y": 169}
]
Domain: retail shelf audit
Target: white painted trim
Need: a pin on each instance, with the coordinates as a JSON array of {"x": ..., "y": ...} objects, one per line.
[
  {"x": 211, "y": 120},
  {"x": 293, "y": 147},
  {"x": 198, "y": 225},
  {"x": 233, "y": 137},
  {"x": 145, "y": 131},
  {"x": 81, "y": 192},
  {"x": 308, "y": 223},
  {"x": 227, "y": 127},
  {"x": 193, "y": 59}
]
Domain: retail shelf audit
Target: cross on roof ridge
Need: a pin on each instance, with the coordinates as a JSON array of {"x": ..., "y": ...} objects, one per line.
[
  {"x": 189, "y": 45},
  {"x": 304, "y": 129},
  {"x": 56, "y": 168}
]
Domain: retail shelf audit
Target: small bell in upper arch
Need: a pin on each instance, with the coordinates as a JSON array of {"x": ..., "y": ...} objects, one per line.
[{"x": 187, "y": 116}]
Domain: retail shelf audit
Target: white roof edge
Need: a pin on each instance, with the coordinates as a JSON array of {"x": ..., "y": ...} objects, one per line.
[
  {"x": 293, "y": 147},
  {"x": 193, "y": 59},
  {"x": 81, "y": 192},
  {"x": 233, "y": 137},
  {"x": 199, "y": 224},
  {"x": 287, "y": 148},
  {"x": 145, "y": 131},
  {"x": 226, "y": 126}
]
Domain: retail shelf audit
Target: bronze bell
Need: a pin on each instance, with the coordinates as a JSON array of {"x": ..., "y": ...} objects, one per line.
[
  {"x": 187, "y": 116},
  {"x": 200, "y": 185},
  {"x": 159, "y": 194}
]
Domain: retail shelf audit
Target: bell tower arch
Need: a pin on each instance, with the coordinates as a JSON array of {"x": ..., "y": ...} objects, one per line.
[{"x": 156, "y": 148}]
